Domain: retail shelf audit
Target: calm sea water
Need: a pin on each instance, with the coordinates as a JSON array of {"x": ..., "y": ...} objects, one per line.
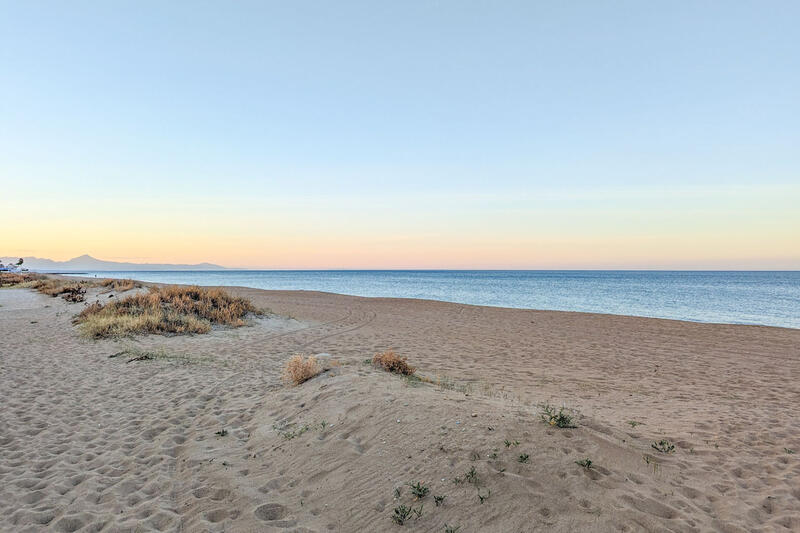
[{"x": 768, "y": 298}]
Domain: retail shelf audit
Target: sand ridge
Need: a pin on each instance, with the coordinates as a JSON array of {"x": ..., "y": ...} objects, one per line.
[{"x": 92, "y": 443}]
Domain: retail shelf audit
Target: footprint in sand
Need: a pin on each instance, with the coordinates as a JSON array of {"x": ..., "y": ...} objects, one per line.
[{"x": 270, "y": 511}]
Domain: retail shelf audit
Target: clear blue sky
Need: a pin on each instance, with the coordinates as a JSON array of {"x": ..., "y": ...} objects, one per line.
[{"x": 486, "y": 134}]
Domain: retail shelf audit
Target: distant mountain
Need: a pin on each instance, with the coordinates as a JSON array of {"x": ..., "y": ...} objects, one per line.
[{"x": 86, "y": 263}]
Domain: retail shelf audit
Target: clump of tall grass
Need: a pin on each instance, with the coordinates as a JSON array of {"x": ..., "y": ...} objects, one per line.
[
  {"x": 71, "y": 291},
  {"x": 119, "y": 285},
  {"x": 165, "y": 310},
  {"x": 299, "y": 370},
  {"x": 391, "y": 362},
  {"x": 15, "y": 279}
]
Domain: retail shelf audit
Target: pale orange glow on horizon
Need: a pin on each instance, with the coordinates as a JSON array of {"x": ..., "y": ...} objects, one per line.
[{"x": 752, "y": 229}]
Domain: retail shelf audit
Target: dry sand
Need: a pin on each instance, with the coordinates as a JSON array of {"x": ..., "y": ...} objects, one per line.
[{"x": 92, "y": 443}]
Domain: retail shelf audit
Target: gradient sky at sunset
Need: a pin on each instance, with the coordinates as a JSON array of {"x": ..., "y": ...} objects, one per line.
[{"x": 428, "y": 134}]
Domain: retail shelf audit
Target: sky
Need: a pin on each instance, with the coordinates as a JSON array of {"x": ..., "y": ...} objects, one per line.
[{"x": 414, "y": 134}]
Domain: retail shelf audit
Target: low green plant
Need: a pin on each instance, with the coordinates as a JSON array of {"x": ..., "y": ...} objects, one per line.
[
  {"x": 290, "y": 434},
  {"x": 788, "y": 450},
  {"x": 634, "y": 423},
  {"x": 560, "y": 419},
  {"x": 510, "y": 443},
  {"x": 586, "y": 463},
  {"x": 419, "y": 489},
  {"x": 451, "y": 529},
  {"x": 484, "y": 497},
  {"x": 663, "y": 446},
  {"x": 222, "y": 432},
  {"x": 401, "y": 514},
  {"x": 523, "y": 458},
  {"x": 471, "y": 476},
  {"x": 438, "y": 500}
]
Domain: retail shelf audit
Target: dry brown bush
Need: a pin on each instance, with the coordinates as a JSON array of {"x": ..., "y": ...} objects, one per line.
[
  {"x": 170, "y": 309},
  {"x": 299, "y": 370},
  {"x": 71, "y": 291},
  {"x": 119, "y": 285},
  {"x": 12, "y": 279},
  {"x": 391, "y": 362}
]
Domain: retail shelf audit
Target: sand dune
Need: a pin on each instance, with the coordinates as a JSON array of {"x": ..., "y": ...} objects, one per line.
[{"x": 206, "y": 437}]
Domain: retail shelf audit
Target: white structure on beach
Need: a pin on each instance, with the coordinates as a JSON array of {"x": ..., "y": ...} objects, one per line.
[{"x": 12, "y": 267}]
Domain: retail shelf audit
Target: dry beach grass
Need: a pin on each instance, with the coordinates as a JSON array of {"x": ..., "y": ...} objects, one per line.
[
  {"x": 168, "y": 309},
  {"x": 299, "y": 369},
  {"x": 665, "y": 426}
]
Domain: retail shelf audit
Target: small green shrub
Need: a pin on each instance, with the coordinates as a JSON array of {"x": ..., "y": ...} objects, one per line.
[
  {"x": 401, "y": 514},
  {"x": 419, "y": 489},
  {"x": 560, "y": 419},
  {"x": 663, "y": 446}
]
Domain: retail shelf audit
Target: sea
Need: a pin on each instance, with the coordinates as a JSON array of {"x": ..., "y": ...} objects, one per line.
[{"x": 753, "y": 297}]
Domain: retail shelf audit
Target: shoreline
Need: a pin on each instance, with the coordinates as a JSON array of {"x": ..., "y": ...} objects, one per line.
[{"x": 394, "y": 298}]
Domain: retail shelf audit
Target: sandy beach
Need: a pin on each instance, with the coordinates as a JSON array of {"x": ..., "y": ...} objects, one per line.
[{"x": 207, "y": 437}]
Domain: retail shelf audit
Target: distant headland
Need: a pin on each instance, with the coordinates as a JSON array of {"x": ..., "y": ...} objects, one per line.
[{"x": 86, "y": 263}]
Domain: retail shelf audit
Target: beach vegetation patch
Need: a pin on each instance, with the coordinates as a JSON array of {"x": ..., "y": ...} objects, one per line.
[
  {"x": 18, "y": 280},
  {"x": 560, "y": 418},
  {"x": 71, "y": 291},
  {"x": 391, "y": 362},
  {"x": 663, "y": 446},
  {"x": 585, "y": 463},
  {"x": 165, "y": 310},
  {"x": 418, "y": 489},
  {"x": 119, "y": 285},
  {"x": 403, "y": 513},
  {"x": 299, "y": 369}
]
